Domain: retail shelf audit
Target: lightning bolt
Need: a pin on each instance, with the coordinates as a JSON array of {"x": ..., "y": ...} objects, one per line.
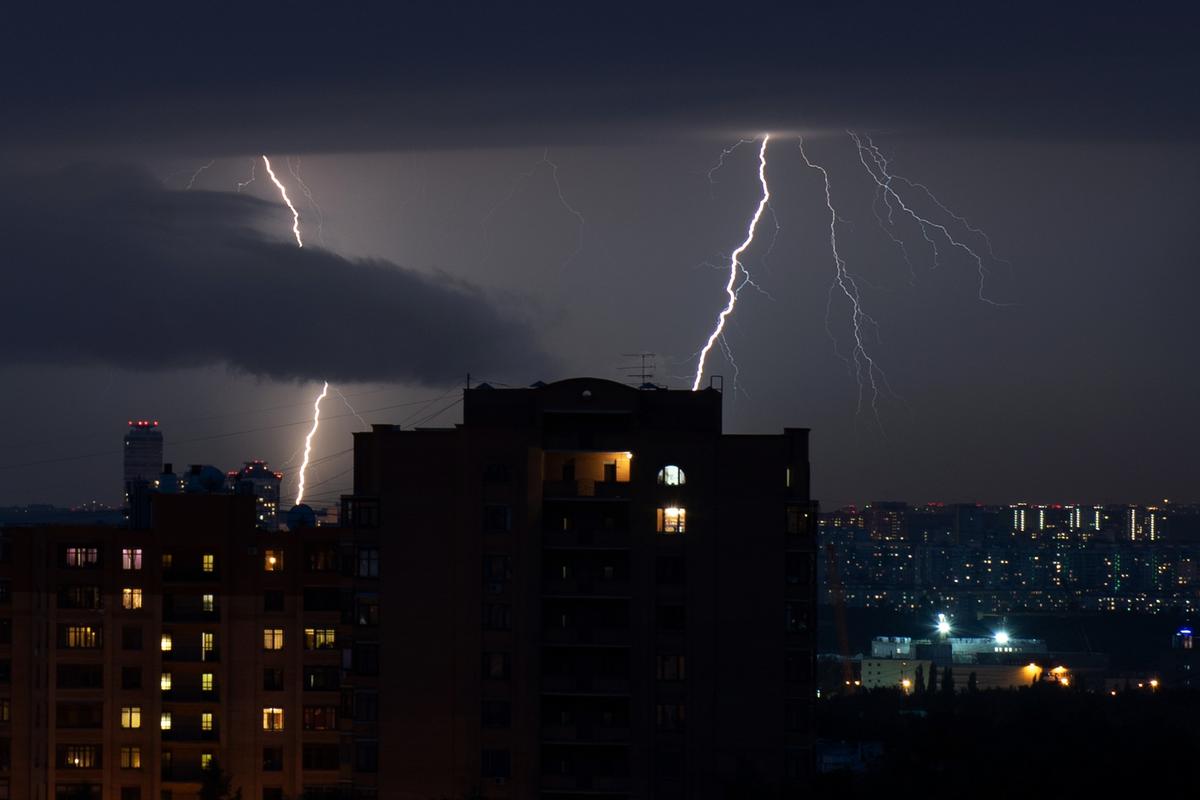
[
  {"x": 726, "y": 153},
  {"x": 287, "y": 201},
  {"x": 312, "y": 202},
  {"x": 878, "y": 170},
  {"x": 735, "y": 265},
  {"x": 308, "y": 439},
  {"x": 864, "y": 365}
]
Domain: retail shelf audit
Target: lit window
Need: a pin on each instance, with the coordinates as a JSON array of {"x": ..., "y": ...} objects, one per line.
[
  {"x": 80, "y": 636},
  {"x": 206, "y": 760},
  {"x": 672, "y": 520},
  {"x": 206, "y": 721},
  {"x": 168, "y": 560},
  {"x": 273, "y": 561},
  {"x": 207, "y": 562},
  {"x": 206, "y": 682},
  {"x": 131, "y": 716},
  {"x": 319, "y": 638},
  {"x": 5, "y": 710},
  {"x": 131, "y": 558},
  {"x": 671, "y": 475},
  {"x": 164, "y": 682},
  {"x": 272, "y": 719},
  {"x": 208, "y": 603},
  {"x": 166, "y": 643},
  {"x": 208, "y": 642},
  {"x": 272, "y": 638},
  {"x": 81, "y": 556},
  {"x": 164, "y": 722},
  {"x": 131, "y": 757},
  {"x": 79, "y": 756},
  {"x": 131, "y": 599}
]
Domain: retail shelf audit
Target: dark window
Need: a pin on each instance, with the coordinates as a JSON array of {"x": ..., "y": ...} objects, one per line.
[
  {"x": 796, "y": 617},
  {"x": 670, "y": 570},
  {"x": 131, "y": 677},
  {"x": 670, "y": 716},
  {"x": 668, "y": 762},
  {"x": 320, "y": 718},
  {"x": 497, "y": 519},
  {"x": 322, "y": 598},
  {"x": 5, "y": 631},
  {"x": 366, "y": 658},
  {"x": 497, "y": 568},
  {"x": 796, "y": 717},
  {"x": 496, "y": 764},
  {"x": 131, "y": 793},
  {"x": 272, "y": 759},
  {"x": 79, "y": 715},
  {"x": 368, "y": 562},
  {"x": 497, "y": 617},
  {"x": 497, "y": 473},
  {"x": 321, "y": 756},
  {"x": 671, "y": 668},
  {"x": 798, "y": 519},
  {"x": 367, "y": 608},
  {"x": 496, "y": 666},
  {"x": 273, "y": 793},
  {"x": 79, "y": 597},
  {"x": 131, "y": 637},
  {"x": 799, "y": 569},
  {"x": 5, "y": 671},
  {"x": 273, "y": 679},
  {"x": 322, "y": 679},
  {"x": 272, "y": 601},
  {"x": 366, "y": 756},
  {"x": 366, "y": 706},
  {"x": 797, "y": 666},
  {"x": 80, "y": 676},
  {"x": 321, "y": 557},
  {"x": 5, "y": 591},
  {"x": 672, "y": 617},
  {"x": 497, "y": 713}
]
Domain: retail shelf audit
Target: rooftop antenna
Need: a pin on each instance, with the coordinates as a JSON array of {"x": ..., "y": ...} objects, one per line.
[{"x": 643, "y": 370}]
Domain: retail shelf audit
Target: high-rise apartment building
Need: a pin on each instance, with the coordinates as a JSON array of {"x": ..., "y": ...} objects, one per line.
[
  {"x": 591, "y": 591},
  {"x": 143, "y": 454}
]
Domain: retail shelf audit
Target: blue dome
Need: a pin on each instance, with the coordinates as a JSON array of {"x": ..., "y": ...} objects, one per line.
[{"x": 301, "y": 516}]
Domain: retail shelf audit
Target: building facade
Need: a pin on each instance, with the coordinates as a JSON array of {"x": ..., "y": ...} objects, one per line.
[
  {"x": 130, "y": 660},
  {"x": 591, "y": 591},
  {"x": 143, "y": 454}
]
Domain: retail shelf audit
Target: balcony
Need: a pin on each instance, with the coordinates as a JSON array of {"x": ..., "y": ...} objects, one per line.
[
  {"x": 189, "y": 653},
  {"x": 588, "y": 538},
  {"x": 585, "y": 489},
  {"x": 586, "y": 782},
  {"x": 585, "y": 733},
  {"x": 182, "y": 773},
  {"x": 586, "y": 587},
  {"x": 190, "y": 575},
  {"x": 191, "y": 615},
  {"x": 595, "y": 637},
  {"x": 192, "y": 695},
  {"x": 190, "y": 733},
  {"x": 585, "y": 684}
]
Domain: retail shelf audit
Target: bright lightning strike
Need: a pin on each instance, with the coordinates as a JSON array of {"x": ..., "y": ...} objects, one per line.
[
  {"x": 864, "y": 364},
  {"x": 884, "y": 179},
  {"x": 735, "y": 265},
  {"x": 312, "y": 432},
  {"x": 287, "y": 200}
]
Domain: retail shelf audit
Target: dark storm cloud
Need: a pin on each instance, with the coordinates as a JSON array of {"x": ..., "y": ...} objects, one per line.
[
  {"x": 104, "y": 266},
  {"x": 401, "y": 75}
]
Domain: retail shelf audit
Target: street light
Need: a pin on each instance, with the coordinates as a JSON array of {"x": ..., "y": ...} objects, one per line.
[
  {"x": 943, "y": 625},
  {"x": 1002, "y": 638}
]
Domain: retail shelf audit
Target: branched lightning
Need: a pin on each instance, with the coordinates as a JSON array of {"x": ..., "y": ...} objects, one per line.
[
  {"x": 735, "y": 265},
  {"x": 308, "y": 439},
  {"x": 253, "y": 167},
  {"x": 878, "y": 170},
  {"x": 312, "y": 202},
  {"x": 192, "y": 181},
  {"x": 287, "y": 200},
  {"x": 863, "y": 364},
  {"x": 519, "y": 181},
  {"x": 726, "y": 153},
  {"x": 352, "y": 411}
]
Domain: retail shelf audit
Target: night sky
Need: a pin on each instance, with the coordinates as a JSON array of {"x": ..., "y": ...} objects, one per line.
[{"x": 431, "y": 141}]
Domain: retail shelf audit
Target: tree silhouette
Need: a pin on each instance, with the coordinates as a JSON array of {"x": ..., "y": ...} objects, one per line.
[
  {"x": 932, "y": 677},
  {"x": 948, "y": 680},
  {"x": 215, "y": 784},
  {"x": 972, "y": 684},
  {"x": 919, "y": 679}
]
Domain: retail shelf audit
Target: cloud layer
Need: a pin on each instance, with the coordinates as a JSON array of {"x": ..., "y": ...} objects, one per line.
[{"x": 102, "y": 265}]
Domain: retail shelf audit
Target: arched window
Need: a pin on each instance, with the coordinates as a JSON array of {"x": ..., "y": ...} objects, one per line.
[{"x": 671, "y": 475}]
